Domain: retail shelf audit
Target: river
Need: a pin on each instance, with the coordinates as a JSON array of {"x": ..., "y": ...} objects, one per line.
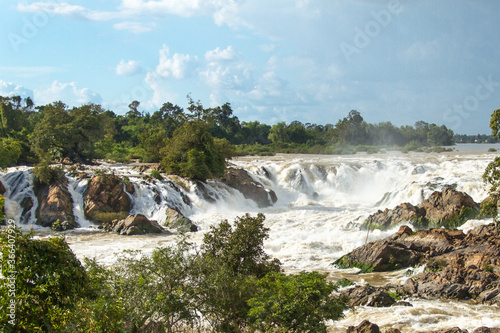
[{"x": 322, "y": 200}]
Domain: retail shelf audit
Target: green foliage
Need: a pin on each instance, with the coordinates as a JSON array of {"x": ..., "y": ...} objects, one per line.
[
  {"x": 241, "y": 249},
  {"x": 49, "y": 281},
  {"x": 344, "y": 282},
  {"x": 46, "y": 174},
  {"x": 192, "y": 152},
  {"x": 10, "y": 152},
  {"x": 2, "y": 204},
  {"x": 69, "y": 133},
  {"x": 156, "y": 174},
  {"x": 294, "y": 303}
]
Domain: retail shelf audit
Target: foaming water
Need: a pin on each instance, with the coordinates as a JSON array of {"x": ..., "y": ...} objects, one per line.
[
  {"x": 322, "y": 202},
  {"x": 423, "y": 315}
]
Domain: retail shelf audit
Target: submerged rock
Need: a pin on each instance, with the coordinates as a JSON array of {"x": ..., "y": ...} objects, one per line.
[
  {"x": 364, "y": 327},
  {"x": 106, "y": 199},
  {"x": 369, "y": 296},
  {"x": 55, "y": 206},
  {"x": 449, "y": 208},
  {"x": 241, "y": 180},
  {"x": 135, "y": 225},
  {"x": 176, "y": 220}
]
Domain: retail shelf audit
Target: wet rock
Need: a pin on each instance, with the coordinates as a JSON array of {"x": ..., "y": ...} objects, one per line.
[
  {"x": 369, "y": 296},
  {"x": 2, "y": 189},
  {"x": 449, "y": 330},
  {"x": 175, "y": 220},
  {"x": 364, "y": 327},
  {"x": 402, "y": 213},
  {"x": 136, "y": 225},
  {"x": 241, "y": 180},
  {"x": 449, "y": 208},
  {"x": 106, "y": 199},
  {"x": 55, "y": 207},
  {"x": 205, "y": 193},
  {"x": 26, "y": 205}
]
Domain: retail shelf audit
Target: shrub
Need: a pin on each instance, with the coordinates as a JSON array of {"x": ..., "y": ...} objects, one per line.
[
  {"x": 45, "y": 174},
  {"x": 294, "y": 303}
]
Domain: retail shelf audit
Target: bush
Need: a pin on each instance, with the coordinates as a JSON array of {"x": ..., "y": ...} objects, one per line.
[
  {"x": 45, "y": 174},
  {"x": 294, "y": 303},
  {"x": 49, "y": 281},
  {"x": 156, "y": 174}
]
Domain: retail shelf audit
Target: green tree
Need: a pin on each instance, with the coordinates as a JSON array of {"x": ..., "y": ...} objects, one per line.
[
  {"x": 491, "y": 175},
  {"x": 10, "y": 152},
  {"x": 69, "y": 133},
  {"x": 294, "y": 303},
  {"x": 192, "y": 152},
  {"x": 48, "y": 281}
]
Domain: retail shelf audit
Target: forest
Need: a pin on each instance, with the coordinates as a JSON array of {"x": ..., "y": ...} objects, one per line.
[{"x": 32, "y": 134}]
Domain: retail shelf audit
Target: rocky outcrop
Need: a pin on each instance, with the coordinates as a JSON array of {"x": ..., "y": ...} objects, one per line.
[
  {"x": 55, "y": 206},
  {"x": 449, "y": 208},
  {"x": 175, "y": 220},
  {"x": 458, "y": 266},
  {"x": 106, "y": 199},
  {"x": 241, "y": 180},
  {"x": 135, "y": 225}
]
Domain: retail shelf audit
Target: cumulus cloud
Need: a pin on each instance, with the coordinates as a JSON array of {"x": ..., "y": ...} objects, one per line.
[
  {"x": 9, "y": 89},
  {"x": 178, "y": 66},
  {"x": 128, "y": 68},
  {"x": 134, "y": 27},
  {"x": 69, "y": 93}
]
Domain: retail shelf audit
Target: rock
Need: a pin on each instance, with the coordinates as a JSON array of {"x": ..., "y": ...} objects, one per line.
[
  {"x": 136, "y": 225},
  {"x": 241, "y": 180},
  {"x": 364, "y": 327},
  {"x": 54, "y": 204},
  {"x": 404, "y": 212},
  {"x": 26, "y": 205},
  {"x": 380, "y": 256},
  {"x": 449, "y": 330},
  {"x": 2, "y": 189},
  {"x": 106, "y": 199},
  {"x": 458, "y": 266},
  {"x": 369, "y": 296},
  {"x": 176, "y": 220},
  {"x": 449, "y": 208},
  {"x": 486, "y": 330}
]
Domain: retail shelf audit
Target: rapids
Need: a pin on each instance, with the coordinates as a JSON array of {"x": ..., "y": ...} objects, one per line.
[{"x": 322, "y": 200}]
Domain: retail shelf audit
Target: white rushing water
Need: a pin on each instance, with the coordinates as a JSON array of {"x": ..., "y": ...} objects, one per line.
[{"x": 322, "y": 200}]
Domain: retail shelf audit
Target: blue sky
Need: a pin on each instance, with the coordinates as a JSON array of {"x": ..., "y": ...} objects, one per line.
[{"x": 281, "y": 60}]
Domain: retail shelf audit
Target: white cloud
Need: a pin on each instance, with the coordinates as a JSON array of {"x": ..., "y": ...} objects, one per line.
[
  {"x": 9, "y": 89},
  {"x": 68, "y": 93},
  {"x": 134, "y": 27},
  {"x": 216, "y": 55},
  {"x": 177, "y": 66},
  {"x": 128, "y": 68},
  {"x": 421, "y": 50},
  {"x": 222, "y": 11},
  {"x": 72, "y": 11}
]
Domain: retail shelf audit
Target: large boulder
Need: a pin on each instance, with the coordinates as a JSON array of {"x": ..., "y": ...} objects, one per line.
[
  {"x": 106, "y": 199},
  {"x": 241, "y": 180},
  {"x": 369, "y": 296},
  {"x": 449, "y": 208},
  {"x": 364, "y": 327},
  {"x": 175, "y": 220},
  {"x": 55, "y": 206},
  {"x": 136, "y": 225}
]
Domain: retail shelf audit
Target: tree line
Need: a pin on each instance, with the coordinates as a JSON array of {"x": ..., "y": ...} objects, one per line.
[{"x": 192, "y": 142}]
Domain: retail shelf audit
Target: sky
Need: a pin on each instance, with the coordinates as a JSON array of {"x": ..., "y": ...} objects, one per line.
[{"x": 282, "y": 60}]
